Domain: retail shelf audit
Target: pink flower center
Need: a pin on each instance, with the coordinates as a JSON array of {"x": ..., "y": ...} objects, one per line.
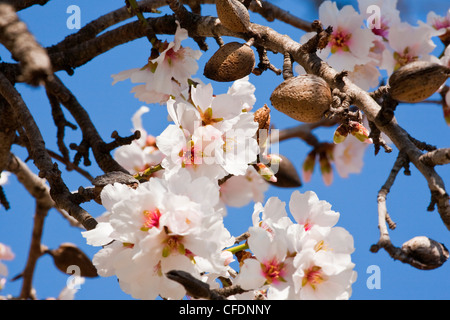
[
  {"x": 151, "y": 219},
  {"x": 383, "y": 31},
  {"x": 340, "y": 41},
  {"x": 313, "y": 276},
  {"x": 171, "y": 55},
  {"x": 441, "y": 23},
  {"x": 190, "y": 155},
  {"x": 273, "y": 270},
  {"x": 308, "y": 225}
]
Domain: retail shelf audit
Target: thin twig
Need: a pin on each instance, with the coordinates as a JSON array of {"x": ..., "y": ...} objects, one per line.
[
  {"x": 383, "y": 218},
  {"x": 59, "y": 191}
]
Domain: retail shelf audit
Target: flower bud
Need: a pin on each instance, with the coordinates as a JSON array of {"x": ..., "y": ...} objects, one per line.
[
  {"x": 286, "y": 174},
  {"x": 360, "y": 132},
  {"x": 340, "y": 134},
  {"x": 274, "y": 159},
  {"x": 308, "y": 166},
  {"x": 266, "y": 172},
  {"x": 325, "y": 169},
  {"x": 430, "y": 253}
]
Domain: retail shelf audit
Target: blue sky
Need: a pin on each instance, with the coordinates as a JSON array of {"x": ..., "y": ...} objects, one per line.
[{"x": 111, "y": 108}]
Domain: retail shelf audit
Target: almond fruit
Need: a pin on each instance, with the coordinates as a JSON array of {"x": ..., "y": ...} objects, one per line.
[
  {"x": 417, "y": 81},
  {"x": 304, "y": 98},
  {"x": 231, "y": 62},
  {"x": 430, "y": 253},
  {"x": 233, "y": 15}
]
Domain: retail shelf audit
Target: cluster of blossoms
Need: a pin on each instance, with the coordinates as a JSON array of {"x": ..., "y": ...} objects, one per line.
[
  {"x": 208, "y": 159},
  {"x": 369, "y": 44},
  {"x": 375, "y": 39},
  {"x": 308, "y": 258}
]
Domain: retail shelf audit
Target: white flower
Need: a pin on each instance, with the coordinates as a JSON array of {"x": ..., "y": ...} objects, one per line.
[
  {"x": 388, "y": 15},
  {"x": 142, "y": 153},
  {"x": 164, "y": 76},
  {"x": 272, "y": 216},
  {"x": 163, "y": 224},
  {"x": 309, "y": 211},
  {"x": 337, "y": 242},
  {"x": 310, "y": 259},
  {"x": 238, "y": 191},
  {"x": 366, "y": 76},
  {"x": 211, "y": 136},
  {"x": 439, "y": 22},
  {"x": 240, "y": 144},
  {"x": 405, "y": 49},
  {"x": 244, "y": 91},
  {"x": 215, "y": 110},
  {"x": 175, "y": 62},
  {"x": 349, "y": 44},
  {"x": 271, "y": 265},
  {"x": 317, "y": 278},
  {"x": 201, "y": 153},
  {"x": 348, "y": 156}
]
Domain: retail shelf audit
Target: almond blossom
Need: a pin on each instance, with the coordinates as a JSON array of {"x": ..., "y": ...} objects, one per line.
[
  {"x": 349, "y": 44},
  {"x": 352, "y": 47},
  {"x": 404, "y": 49},
  {"x": 243, "y": 90},
  {"x": 440, "y": 23},
  {"x": 271, "y": 266},
  {"x": 306, "y": 259},
  {"x": 142, "y": 153},
  {"x": 166, "y": 75},
  {"x": 238, "y": 191},
  {"x": 210, "y": 136},
  {"x": 308, "y": 210},
  {"x": 163, "y": 224},
  {"x": 318, "y": 278},
  {"x": 348, "y": 156},
  {"x": 388, "y": 16}
]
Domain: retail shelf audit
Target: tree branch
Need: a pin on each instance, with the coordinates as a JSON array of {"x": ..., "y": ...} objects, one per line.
[
  {"x": 36, "y": 250},
  {"x": 436, "y": 157},
  {"x": 90, "y": 134},
  {"x": 59, "y": 191},
  {"x": 14, "y": 35},
  {"x": 24, "y": 4},
  {"x": 383, "y": 217}
]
